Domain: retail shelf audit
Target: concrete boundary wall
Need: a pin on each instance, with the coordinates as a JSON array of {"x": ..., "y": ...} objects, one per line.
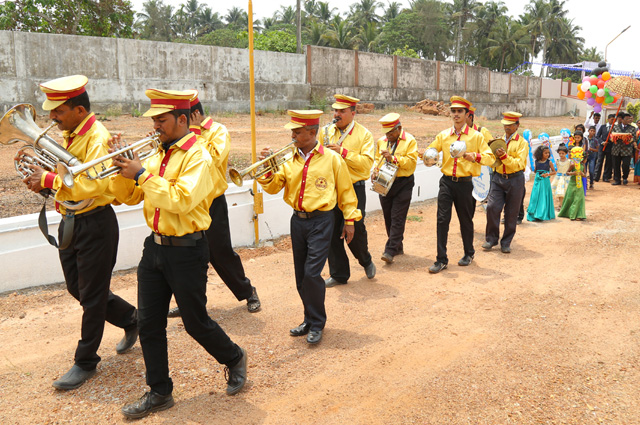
[{"x": 120, "y": 70}]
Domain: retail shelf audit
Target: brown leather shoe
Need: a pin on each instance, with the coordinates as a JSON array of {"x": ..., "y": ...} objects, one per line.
[{"x": 150, "y": 402}]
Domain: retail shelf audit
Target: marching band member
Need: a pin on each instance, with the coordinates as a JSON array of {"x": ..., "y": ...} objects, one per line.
[
  {"x": 456, "y": 185},
  {"x": 88, "y": 238},
  {"x": 484, "y": 130},
  {"x": 399, "y": 148},
  {"x": 354, "y": 144},
  {"x": 215, "y": 138},
  {"x": 507, "y": 185},
  {"x": 316, "y": 181},
  {"x": 175, "y": 186}
]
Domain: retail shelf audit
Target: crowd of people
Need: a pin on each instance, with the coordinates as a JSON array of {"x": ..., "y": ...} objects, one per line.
[{"x": 182, "y": 188}]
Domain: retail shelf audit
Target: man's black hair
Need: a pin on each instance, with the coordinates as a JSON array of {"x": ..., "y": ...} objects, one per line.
[
  {"x": 597, "y": 114},
  {"x": 611, "y": 116},
  {"x": 79, "y": 100},
  {"x": 185, "y": 112},
  {"x": 592, "y": 127},
  {"x": 198, "y": 107}
]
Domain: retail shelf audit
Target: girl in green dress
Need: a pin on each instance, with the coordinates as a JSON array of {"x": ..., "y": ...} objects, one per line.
[{"x": 573, "y": 205}]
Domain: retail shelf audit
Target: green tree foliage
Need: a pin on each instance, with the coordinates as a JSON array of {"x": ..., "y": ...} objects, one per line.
[
  {"x": 225, "y": 37},
  {"x": 407, "y": 53},
  {"x": 103, "y": 18},
  {"x": 276, "y": 41}
]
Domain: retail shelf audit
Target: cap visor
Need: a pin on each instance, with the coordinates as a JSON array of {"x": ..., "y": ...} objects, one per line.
[
  {"x": 153, "y": 112},
  {"x": 50, "y": 105},
  {"x": 292, "y": 125},
  {"x": 339, "y": 106},
  {"x": 505, "y": 122}
]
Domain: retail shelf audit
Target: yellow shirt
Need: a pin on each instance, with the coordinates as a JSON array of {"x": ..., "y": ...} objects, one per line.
[
  {"x": 214, "y": 138},
  {"x": 459, "y": 167},
  {"x": 315, "y": 184},
  {"x": 515, "y": 158},
  {"x": 405, "y": 155},
  {"x": 175, "y": 188},
  {"x": 357, "y": 149},
  {"x": 485, "y": 132},
  {"x": 87, "y": 142}
]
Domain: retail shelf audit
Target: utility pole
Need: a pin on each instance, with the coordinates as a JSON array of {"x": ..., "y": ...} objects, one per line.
[{"x": 299, "y": 28}]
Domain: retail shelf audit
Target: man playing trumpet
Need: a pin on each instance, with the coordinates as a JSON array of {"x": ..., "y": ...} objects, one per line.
[
  {"x": 400, "y": 149},
  {"x": 89, "y": 257},
  {"x": 175, "y": 187},
  {"x": 315, "y": 181}
]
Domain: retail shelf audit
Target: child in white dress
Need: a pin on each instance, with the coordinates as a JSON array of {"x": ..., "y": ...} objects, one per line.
[{"x": 561, "y": 179}]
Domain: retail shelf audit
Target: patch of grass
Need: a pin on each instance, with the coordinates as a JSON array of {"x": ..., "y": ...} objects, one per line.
[
  {"x": 319, "y": 102},
  {"x": 135, "y": 112},
  {"x": 113, "y": 111},
  {"x": 414, "y": 218}
]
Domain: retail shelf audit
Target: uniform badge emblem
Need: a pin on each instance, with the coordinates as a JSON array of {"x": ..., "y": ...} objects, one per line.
[{"x": 321, "y": 183}]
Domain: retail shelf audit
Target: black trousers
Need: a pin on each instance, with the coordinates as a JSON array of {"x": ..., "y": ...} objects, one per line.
[
  {"x": 310, "y": 241},
  {"x": 181, "y": 271},
  {"x": 458, "y": 194},
  {"x": 524, "y": 195},
  {"x": 395, "y": 207},
  {"x": 225, "y": 261},
  {"x": 505, "y": 194},
  {"x": 619, "y": 161},
  {"x": 604, "y": 159},
  {"x": 338, "y": 260},
  {"x": 87, "y": 264}
]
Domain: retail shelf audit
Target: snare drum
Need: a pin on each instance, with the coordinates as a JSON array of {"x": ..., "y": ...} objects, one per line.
[{"x": 384, "y": 180}]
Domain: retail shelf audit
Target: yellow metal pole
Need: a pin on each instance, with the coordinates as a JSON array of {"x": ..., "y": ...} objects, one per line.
[{"x": 257, "y": 197}]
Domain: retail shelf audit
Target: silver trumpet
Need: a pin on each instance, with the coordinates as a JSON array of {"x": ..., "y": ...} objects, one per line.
[
  {"x": 325, "y": 142},
  {"x": 96, "y": 169},
  {"x": 18, "y": 125}
]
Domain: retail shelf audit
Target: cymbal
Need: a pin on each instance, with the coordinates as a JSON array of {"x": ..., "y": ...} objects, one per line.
[{"x": 496, "y": 144}]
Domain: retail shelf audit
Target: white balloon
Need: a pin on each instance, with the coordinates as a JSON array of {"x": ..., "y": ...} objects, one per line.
[
  {"x": 600, "y": 92},
  {"x": 586, "y": 85}
]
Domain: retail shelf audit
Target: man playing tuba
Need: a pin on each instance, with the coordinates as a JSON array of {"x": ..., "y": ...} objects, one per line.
[{"x": 89, "y": 258}]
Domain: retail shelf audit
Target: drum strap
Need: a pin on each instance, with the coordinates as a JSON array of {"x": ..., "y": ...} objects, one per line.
[{"x": 67, "y": 233}]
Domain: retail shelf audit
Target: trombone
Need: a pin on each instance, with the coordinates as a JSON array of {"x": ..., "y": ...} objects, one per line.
[
  {"x": 270, "y": 164},
  {"x": 69, "y": 173}
]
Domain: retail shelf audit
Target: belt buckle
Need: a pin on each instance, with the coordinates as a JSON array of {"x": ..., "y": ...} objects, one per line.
[
  {"x": 157, "y": 239},
  {"x": 454, "y": 179},
  {"x": 505, "y": 176}
]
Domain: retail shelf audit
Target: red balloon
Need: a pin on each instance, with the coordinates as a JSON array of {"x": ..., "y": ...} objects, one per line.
[
  {"x": 593, "y": 80},
  {"x": 600, "y": 84}
]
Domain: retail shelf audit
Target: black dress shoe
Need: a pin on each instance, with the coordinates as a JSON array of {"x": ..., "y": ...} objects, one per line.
[
  {"x": 606, "y": 180},
  {"x": 488, "y": 245},
  {"x": 75, "y": 377},
  {"x": 437, "y": 267},
  {"x": 126, "y": 343},
  {"x": 370, "y": 270},
  {"x": 174, "y": 312},
  {"x": 253, "y": 302},
  {"x": 506, "y": 249},
  {"x": 314, "y": 337},
  {"x": 519, "y": 221},
  {"x": 615, "y": 184},
  {"x": 300, "y": 330},
  {"x": 625, "y": 181},
  {"x": 387, "y": 258},
  {"x": 331, "y": 282},
  {"x": 237, "y": 375},
  {"x": 150, "y": 402},
  {"x": 466, "y": 260}
]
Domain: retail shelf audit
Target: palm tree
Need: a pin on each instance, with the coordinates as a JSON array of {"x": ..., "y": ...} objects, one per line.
[
  {"x": 287, "y": 15},
  {"x": 208, "y": 21},
  {"x": 535, "y": 21},
  {"x": 508, "y": 42},
  {"x": 368, "y": 37},
  {"x": 364, "y": 11},
  {"x": 391, "y": 11},
  {"x": 463, "y": 11},
  {"x": 154, "y": 22},
  {"x": 316, "y": 33},
  {"x": 341, "y": 35},
  {"x": 324, "y": 12},
  {"x": 237, "y": 17},
  {"x": 487, "y": 17},
  {"x": 310, "y": 7}
]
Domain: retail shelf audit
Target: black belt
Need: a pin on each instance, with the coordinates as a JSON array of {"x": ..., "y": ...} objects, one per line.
[
  {"x": 458, "y": 179},
  {"x": 512, "y": 175},
  {"x": 186, "y": 240},
  {"x": 359, "y": 183},
  {"x": 304, "y": 214}
]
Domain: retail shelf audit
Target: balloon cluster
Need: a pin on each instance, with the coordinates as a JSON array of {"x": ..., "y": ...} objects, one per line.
[{"x": 593, "y": 90}]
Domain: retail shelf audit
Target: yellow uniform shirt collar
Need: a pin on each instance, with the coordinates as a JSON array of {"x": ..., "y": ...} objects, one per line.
[
  {"x": 465, "y": 130},
  {"x": 79, "y": 130}
]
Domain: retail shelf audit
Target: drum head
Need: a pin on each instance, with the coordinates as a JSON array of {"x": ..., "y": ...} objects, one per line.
[{"x": 482, "y": 183}]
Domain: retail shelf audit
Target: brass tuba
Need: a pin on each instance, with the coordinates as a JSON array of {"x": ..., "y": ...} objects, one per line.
[
  {"x": 18, "y": 125},
  {"x": 270, "y": 164}
]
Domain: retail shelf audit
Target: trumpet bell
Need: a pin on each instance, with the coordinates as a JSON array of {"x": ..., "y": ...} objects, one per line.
[
  {"x": 430, "y": 157},
  {"x": 235, "y": 177},
  {"x": 458, "y": 149}
]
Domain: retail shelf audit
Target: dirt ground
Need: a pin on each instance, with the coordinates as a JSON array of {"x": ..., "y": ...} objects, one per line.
[{"x": 546, "y": 335}]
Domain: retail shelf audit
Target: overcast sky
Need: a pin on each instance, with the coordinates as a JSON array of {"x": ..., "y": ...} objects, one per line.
[{"x": 601, "y": 21}]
